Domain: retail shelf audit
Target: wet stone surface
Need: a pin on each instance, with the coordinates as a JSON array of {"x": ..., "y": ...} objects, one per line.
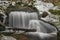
[{"x": 7, "y": 38}]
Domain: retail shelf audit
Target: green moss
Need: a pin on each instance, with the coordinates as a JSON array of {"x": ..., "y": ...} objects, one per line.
[
  {"x": 55, "y": 12},
  {"x": 57, "y": 4}
]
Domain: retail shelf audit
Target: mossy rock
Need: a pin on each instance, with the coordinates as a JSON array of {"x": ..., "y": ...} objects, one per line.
[
  {"x": 57, "y": 4},
  {"x": 18, "y": 7},
  {"x": 55, "y": 12}
]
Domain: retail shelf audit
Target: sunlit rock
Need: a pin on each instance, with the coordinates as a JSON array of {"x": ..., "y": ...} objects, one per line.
[
  {"x": 7, "y": 38},
  {"x": 42, "y": 6}
]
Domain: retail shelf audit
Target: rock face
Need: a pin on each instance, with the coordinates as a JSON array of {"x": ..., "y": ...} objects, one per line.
[
  {"x": 7, "y": 38},
  {"x": 51, "y": 1}
]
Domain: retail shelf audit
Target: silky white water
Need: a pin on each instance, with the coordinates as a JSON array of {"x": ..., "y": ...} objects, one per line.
[
  {"x": 28, "y": 20},
  {"x": 21, "y": 19}
]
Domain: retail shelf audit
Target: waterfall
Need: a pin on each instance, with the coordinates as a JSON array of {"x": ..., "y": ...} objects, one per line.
[
  {"x": 21, "y": 19},
  {"x": 36, "y": 24},
  {"x": 28, "y": 20}
]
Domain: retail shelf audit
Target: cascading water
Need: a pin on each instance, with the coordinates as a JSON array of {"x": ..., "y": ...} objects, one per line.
[
  {"x": 37, "y": 25},
  {"x": 44, "y": 31},
  {"x": 21, "y": 19},
  {"x": 27, "y": 20}
]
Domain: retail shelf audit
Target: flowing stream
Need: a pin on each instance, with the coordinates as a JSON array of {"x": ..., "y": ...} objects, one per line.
[{"x": 29, "y": 20}]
